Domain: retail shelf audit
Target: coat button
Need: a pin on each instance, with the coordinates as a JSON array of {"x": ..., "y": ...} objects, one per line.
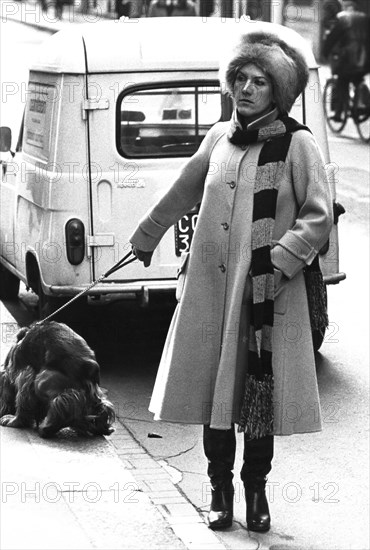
[
  {"x": 225, "y": 226},
  {"x": 222, "y": 267},
  {"x": 232, "y": 184}
]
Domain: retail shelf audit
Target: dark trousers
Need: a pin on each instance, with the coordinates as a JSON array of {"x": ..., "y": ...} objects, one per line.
[
  {"x": 219, "y": 448},
  {"x": 341, "y": 90},
  {"x": 123, "y": 10},
  {"x": 206, "y": 8}
]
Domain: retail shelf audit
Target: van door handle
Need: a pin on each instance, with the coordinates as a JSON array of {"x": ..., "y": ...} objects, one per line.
[
  {"x": 94, "y": 104},
  {"x": 99, "y": 239}
]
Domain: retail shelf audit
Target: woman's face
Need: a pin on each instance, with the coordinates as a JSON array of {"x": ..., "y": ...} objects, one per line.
[{"x": 252, "y": 92}]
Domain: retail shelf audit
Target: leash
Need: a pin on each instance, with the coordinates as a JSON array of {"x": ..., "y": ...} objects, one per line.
[{"x": 122, "y": 263}]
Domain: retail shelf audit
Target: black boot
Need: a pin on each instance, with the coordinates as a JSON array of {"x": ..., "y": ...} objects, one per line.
[
  {"x": 258, "y": 514},
  {"x": 219, "y": 448},
  {"x": 258, "y": 455}
]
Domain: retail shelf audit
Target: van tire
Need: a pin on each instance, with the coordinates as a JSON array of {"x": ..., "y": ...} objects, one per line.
[{"x": 9, "y": 284}]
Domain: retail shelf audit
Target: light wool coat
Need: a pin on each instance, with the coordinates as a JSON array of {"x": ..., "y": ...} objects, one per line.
[{"x": 201, "y": 375}]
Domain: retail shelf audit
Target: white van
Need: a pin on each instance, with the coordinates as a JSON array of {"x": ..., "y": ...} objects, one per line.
[{"x": 113, "y": 110}]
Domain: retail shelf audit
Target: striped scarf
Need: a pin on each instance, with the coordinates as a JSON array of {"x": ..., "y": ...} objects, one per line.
[{"x": 256, "y": 418}]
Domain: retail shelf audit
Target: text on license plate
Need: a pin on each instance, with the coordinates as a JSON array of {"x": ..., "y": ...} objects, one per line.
[{"x": 184, "y": 230}]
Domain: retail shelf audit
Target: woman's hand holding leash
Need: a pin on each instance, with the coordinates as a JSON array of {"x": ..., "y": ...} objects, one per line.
[{"x": 145, "y": 257}]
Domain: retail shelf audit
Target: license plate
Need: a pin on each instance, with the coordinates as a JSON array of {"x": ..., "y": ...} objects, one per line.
[{"x": 184, "y": 230}]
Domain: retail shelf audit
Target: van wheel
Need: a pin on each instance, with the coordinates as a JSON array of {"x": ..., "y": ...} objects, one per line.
[
  {"x": 9, "y": 284},
  {"x": 318, "y": 336}
]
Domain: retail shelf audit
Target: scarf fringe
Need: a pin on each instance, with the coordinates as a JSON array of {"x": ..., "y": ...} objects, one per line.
[
  {"x": 317, "y": 299},
  {"x": 256, "y": 417}
]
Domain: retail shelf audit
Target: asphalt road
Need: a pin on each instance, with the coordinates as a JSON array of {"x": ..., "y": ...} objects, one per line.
[{"x": 318, "y": 487}]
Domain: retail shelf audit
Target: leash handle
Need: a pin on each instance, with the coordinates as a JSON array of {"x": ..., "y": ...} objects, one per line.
[{"x": 122, "y": 263}]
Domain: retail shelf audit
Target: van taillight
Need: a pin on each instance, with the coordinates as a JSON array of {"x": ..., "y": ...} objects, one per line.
[{"x": 75, "y": 241}]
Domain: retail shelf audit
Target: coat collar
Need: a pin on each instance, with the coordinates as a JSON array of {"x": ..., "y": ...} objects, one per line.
[{"x": 258, "y": 123}]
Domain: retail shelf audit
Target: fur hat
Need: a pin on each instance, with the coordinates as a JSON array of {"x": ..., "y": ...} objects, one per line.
[{"x": 284, "y": 64}]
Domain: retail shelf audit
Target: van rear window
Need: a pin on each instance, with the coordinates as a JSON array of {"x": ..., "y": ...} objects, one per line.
[
  {"x": 41, "y": 99},
  {"x": 166, "y": 121}
]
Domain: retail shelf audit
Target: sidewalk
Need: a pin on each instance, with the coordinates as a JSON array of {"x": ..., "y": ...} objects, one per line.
[{"x": 77, "y": 493}]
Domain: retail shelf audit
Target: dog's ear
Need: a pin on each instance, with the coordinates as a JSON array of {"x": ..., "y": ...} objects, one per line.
[{"x": 92, "y": 371}]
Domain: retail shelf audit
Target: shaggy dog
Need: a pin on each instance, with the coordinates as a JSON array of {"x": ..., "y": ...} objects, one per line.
[{"x": 51, "y": 379}]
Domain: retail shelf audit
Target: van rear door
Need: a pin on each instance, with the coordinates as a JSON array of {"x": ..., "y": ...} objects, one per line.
[{"x": 141, "y": 129}]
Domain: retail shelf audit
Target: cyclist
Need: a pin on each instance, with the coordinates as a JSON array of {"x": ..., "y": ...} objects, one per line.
[{"x": 348, "y": 49}]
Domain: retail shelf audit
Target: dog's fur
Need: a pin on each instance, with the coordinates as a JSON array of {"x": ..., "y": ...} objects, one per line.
[{"x": 51, "y": 378}]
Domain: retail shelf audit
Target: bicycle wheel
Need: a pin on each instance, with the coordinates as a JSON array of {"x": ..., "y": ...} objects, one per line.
[
  {"x": 335, "y": 124},
  {"x": 361, "y": 111}
]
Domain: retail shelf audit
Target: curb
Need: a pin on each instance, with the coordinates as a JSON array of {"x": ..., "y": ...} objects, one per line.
[
  {"x": 156, "y": 482},
  {"x": 41, "y": 27},
  {"x": 33, "y": 16}
]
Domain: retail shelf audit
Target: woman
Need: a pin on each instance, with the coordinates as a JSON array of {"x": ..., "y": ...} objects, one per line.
[{"x": 239, "y": 348}]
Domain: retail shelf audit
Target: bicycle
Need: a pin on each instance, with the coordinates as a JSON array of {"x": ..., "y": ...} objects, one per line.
[{"x": 356, "y": 106}]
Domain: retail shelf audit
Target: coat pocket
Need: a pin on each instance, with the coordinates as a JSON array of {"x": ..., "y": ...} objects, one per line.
[
  {"x": 181, "y": 275},
  {"x": 280, "y": 293}
]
